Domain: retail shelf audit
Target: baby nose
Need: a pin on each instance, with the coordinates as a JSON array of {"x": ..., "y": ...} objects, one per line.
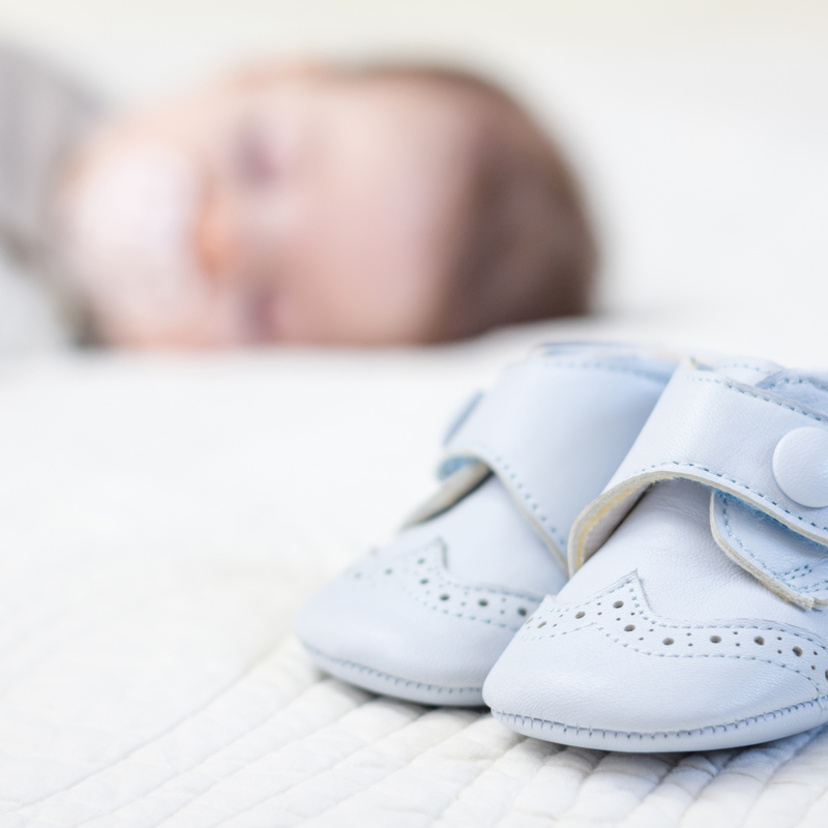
[{"x": 216, "y": 238}]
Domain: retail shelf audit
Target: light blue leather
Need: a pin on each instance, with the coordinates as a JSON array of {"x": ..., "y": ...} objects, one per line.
[
  {"x": 425, "y": 617},
  {"x": 694, "y": 618},
  {"x": 561, "y": 409},
  {"x": 732, "y": 431}
]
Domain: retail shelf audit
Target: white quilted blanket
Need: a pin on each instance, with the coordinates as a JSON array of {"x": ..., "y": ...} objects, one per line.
[{"x": 160, "y": 519}]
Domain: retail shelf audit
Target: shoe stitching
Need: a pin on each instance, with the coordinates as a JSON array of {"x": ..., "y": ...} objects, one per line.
[
  {"x": 388, "y": 677},
  {"x": 786, "y": 577},
  {"x": 804, "y": 569},
  {"x": 685, "y": 733},
  {"x": 443, "y": 581},
  {"x": 797, "y": 573},
  {"x": 758, "y": 369},
  {"x": 596, "y": 365},
  {"x": 755, "y": 392},
  {"x": 547, "y": 363},
  {"x": 629, "y": 585},
  {"x": 817, "y": 586},
  {"x": 507, "y": 469},
  {"x": 799, "y": 381},
  {"x": 446, "y": 582},
  {"x": 689, "y": 464}
]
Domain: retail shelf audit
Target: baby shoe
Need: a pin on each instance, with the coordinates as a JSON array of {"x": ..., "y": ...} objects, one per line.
[
  {"x": 696, "y": 615},
  {"x": 426, "y": 617}
]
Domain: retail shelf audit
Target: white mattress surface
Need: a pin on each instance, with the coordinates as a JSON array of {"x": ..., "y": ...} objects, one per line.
[{"x": 161, "y": 519}]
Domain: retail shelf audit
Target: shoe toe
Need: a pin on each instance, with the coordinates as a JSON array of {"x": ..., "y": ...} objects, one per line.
[
  {"x": 608, "y": 673},
  {"x": 403, "y": 624}
]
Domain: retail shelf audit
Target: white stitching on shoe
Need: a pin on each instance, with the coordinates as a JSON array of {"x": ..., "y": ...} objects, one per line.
[
  {"x": 388, "y": 677},
  {"x": 491, "y": 605},
  {"x": 790, "y": 646},
  {"x": 549, "y": 362},
  {"x": 797, "y": 381},
  {"x": 520, "y": 486},
  {"x": 655, "y": 734},
  {"x": 690, "y": 465},
  {"x": 786, "y": 577},
  {"x": 755, "y": 392}
]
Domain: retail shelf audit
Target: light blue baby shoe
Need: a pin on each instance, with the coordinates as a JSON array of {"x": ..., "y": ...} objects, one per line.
[
  {"x": 426, "y": 617},
  {"x": 697, "y": 615}
]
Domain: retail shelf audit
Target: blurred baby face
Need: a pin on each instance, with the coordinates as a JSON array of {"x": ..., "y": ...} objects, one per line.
[{"x": 302, "y": 208}]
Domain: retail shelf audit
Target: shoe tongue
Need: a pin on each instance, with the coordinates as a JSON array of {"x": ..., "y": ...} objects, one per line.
[
  {"x": 666, "y": 540},
  {"x": 489, "y": 540},
  {"x": 688, "y": 529}
]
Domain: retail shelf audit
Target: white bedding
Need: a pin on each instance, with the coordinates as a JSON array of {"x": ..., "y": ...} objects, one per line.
[{"x": 161, "y": 519}]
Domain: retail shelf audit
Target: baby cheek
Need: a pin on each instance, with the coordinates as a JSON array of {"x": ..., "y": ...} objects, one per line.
[
  {"x": 364, "y": 309},
  {"x": 128, "y": 228}
]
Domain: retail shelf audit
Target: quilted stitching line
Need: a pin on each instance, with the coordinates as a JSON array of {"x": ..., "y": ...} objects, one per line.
[
  {"x": 301, "y": 818},
  {"x": 282, "y": 746},
  {"x": 469, "y": 783},
  {"x": 89, "y": 622},
  {"x": 204, "y": 759},
  {"x": 708, "y": 766},
  {"x": 254, "y": 664},
  {"x": 803, "y": 741},
  {"x": 506, "y": 807}
]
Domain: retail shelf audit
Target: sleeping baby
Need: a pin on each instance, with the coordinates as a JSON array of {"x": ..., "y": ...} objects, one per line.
[{"x": 304, "y": 203}]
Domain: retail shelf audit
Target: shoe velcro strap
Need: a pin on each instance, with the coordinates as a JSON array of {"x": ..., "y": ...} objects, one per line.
[
  {"x": 534, "y": 425},
  {"x": 750, "y": 444}
]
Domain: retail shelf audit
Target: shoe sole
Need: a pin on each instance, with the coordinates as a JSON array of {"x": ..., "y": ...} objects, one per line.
[
  {"x": 755, "y": 730},
  {"x": 386, "y": 684}
]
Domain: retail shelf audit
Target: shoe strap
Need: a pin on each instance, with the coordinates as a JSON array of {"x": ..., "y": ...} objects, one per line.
[
  {"x": 762, "y": 447},
  {"x": 553, "y": 428}
]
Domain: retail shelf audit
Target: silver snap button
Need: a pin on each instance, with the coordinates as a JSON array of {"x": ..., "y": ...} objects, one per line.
[{"x": 800, "y": 466}]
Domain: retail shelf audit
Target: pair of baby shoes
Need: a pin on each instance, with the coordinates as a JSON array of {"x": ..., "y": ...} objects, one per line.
[{"x": 624, "y": 554}]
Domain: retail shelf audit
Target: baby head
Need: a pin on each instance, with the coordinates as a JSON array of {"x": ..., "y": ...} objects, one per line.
[{"x": 324, "y": 204}]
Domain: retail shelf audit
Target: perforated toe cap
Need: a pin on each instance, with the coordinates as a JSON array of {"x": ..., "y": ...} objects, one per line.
[
  {"x": 608, "y": 672},
  {"x": 405, "y": 622}
]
